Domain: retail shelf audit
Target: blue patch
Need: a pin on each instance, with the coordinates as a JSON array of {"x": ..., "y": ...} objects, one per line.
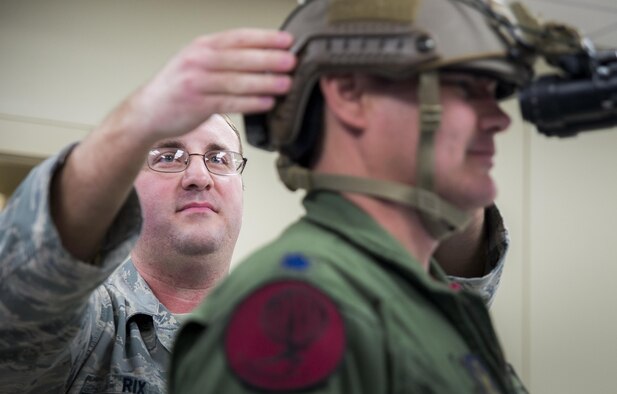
[{"x": 295, "y": 262}]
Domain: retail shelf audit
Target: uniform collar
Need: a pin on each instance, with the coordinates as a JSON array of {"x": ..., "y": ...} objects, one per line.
[
  {"x": 139, "y": 300},
  {"x": 333, "y": 211}
]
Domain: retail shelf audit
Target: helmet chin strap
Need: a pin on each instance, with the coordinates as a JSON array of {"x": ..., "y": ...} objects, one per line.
[
  {"x": 439, "y": 217},
  {"x": 441, "y": 222}
]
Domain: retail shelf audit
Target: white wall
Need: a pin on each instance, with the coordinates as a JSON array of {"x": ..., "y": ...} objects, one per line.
[{"x": 65, "y": 63}]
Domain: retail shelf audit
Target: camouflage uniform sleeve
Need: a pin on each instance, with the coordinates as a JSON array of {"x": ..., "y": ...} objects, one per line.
[
  {"x": 49, "y": 314},
  {"x": 498, "y": 242}
]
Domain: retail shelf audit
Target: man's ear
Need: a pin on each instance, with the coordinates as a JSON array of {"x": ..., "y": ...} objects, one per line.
[{"x": 343, "y": 95}]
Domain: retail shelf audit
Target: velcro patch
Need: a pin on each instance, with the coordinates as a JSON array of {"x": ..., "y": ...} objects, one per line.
[
  {"x": 354, "y": 10},
  {"x": 286, "y": 335}
]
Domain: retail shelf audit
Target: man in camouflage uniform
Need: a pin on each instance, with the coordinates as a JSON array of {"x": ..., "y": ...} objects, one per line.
[
  {"x": 390, "y": 126},
  {"x": 77, "y": 315}
]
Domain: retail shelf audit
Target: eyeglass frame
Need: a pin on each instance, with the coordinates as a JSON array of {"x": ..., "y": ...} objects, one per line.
[{"x": 238, "y": 170}]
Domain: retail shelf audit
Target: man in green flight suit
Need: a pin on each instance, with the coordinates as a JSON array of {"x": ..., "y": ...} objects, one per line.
[{"x": 389, "y": 126}]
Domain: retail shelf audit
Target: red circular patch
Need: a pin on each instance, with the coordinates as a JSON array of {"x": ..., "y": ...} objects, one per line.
[{"x": 286, "y": 335}]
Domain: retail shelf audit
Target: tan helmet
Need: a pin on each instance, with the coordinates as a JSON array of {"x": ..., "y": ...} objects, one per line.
[
  {"x": 390, "y": 38},
  {"x": 393, "y": 39}
]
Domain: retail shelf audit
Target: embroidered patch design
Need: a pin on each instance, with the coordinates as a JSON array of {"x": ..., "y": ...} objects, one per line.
[{"x": 287, "y": 335}]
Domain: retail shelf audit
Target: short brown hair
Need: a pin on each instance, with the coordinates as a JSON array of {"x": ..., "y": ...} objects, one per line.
[{"x": 234, "y": 128}]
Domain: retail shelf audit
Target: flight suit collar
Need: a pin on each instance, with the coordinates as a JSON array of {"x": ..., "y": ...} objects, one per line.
[{"x": 335, "y": 212}]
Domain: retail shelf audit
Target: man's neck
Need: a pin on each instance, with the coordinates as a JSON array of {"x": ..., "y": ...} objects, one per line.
[
  {"x": 402, "y": 223},
  {"x": 176, "y": 299},
  {"x": 181, "y": 285}
]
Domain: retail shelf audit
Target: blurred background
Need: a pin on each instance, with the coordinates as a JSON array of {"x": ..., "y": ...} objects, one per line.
[{"x": 65, "y": 63}]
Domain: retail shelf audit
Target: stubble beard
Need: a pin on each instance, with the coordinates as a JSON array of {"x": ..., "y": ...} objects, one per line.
[{"x": 192, "y": 245}]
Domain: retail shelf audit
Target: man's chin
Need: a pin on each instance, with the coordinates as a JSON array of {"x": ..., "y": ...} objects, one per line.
[
  {"x": 195, "y": 246},
  {"x": 473, "y": 195},
  {"x": 477, "y": 201}
]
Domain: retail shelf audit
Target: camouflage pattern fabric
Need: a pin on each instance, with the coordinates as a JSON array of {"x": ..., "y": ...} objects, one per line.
[
  {"x": 498, "y": 243},
  {"x": 68, "y": 326}
]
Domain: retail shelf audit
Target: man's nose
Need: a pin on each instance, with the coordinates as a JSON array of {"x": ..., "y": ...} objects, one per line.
[
  {"x": 196, "y": 175},
  {"x": 493, "y": 119}
]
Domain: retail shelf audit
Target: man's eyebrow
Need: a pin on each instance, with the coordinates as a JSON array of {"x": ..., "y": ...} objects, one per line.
[
  {"x": 170, "y": 144},
  {"x": 216, "y": 146},
  {"x": 179, "y": 145}
]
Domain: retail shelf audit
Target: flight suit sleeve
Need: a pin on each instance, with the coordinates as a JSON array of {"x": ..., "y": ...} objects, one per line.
[
  {"x": 285, "y": 336},
  {"x": 497, "y": 247},
  {"x": 49, "y": 313}
]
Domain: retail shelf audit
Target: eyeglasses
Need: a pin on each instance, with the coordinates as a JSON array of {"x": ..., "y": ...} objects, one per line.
[{"x": 219, "y": 162}]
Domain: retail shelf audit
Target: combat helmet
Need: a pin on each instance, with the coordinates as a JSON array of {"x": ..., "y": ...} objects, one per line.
[{"x": 392, "y": 39}]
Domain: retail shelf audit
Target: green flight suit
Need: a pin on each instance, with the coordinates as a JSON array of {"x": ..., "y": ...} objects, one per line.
[{"x": 336, "y": 305}]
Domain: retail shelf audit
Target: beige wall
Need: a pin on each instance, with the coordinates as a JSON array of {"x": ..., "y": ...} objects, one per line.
[{"x": 66, "y": 63}]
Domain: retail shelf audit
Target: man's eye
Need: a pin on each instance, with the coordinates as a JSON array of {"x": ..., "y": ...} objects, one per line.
[
  {"x": 167, "y": 158},
  {"x": 474, "y": 89},
  {"x": 219, "y": 158},
  {"x": 465, "y": 89}
]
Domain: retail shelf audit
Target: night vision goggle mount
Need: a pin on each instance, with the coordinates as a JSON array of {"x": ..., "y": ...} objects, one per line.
[{"x": 580, "y": 94}]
